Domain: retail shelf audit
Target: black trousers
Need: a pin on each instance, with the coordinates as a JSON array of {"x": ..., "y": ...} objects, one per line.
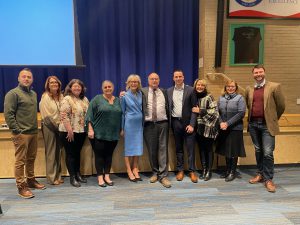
[
  {"x": 181, "y": 137},
  {"x": 206, "y": 151},
  {"x": 103, "y": 154},
  {"x": 73, "y": 150}
]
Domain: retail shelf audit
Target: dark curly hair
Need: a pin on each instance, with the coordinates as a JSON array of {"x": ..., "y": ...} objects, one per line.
[{"x": 68, "y": 90}]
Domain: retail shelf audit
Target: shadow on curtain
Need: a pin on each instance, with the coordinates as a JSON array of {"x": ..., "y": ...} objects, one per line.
[{"x": 121, "y": 37}]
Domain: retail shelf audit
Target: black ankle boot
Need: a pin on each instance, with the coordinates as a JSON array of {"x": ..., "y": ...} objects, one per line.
[
  {"x": 228, "y": 168},
  {"x": 224, "y": 174},
  {"x": 232, "y": 174},
  {"x": 202, "y": 175},
  {"x": 230, "y": 177},
  {"x": 207, "y": 175},
  {"x": 79, "y": 178},
  {"x": 74, "y": 182}
]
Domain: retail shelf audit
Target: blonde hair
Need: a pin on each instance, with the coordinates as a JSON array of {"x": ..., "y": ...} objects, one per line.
[
  {"x": 227, "y": 83},
  {"x": 130, "y": 78},
  {"x": 202, "y": 81}
]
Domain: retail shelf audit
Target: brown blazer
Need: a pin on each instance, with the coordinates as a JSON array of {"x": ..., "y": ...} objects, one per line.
[{"x": 274, "y": 105}]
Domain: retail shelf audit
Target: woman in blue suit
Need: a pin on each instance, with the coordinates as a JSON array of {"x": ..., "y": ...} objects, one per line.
[{"x": 132, "y": 125}]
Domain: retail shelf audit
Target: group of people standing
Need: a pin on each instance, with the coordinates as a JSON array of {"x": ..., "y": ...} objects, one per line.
[{"x": 192, "y": 113}]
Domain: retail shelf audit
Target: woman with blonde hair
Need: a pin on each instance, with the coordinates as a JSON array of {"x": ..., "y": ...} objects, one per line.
[
  {"x": 232, "y": 108},
  {"x": 49, "y": 109},
  {"x": 132, "y": 126},
  {"x": 207, "y": 126}
]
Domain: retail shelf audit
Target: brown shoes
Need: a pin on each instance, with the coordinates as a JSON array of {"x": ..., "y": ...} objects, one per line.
[
  {"x": 153, "y": 179},
  {"x": 258, "y": 178},
  {"x": 179, "y": 176},
  {"x": 193, "y": 177},
  {"x": 165, "y": 182},
  {"x": 24, "y": 191},
  {"x": 34, "y": 184},
  {"x": 270, "y": 186}
]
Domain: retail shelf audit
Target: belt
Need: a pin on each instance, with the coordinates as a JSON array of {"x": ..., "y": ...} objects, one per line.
[
  {"x": 261, "y": 120},
  {"x": 155, "y": 122},
  {"x": 176, "y": 118}
]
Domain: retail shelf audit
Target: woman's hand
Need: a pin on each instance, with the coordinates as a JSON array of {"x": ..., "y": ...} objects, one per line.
[
  {"x": 196, "y": 109},
  {"x": 122, "y": 133},
  {"x": 122, "y": 94},
  {"x": 223, "y": 126},
  {"x": 70, "y": 136},
  {"x": 91, "y": 134},
  {"x": 189, "y": 129}
]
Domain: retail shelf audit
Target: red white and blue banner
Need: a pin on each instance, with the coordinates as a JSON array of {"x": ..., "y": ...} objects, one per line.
[{"x": 284, "y": 9}]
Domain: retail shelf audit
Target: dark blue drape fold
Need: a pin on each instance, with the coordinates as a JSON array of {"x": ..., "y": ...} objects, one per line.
[{"x": 121, "y": 37}]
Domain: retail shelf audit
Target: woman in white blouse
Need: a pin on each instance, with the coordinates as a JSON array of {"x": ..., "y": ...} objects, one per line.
[
  {"x": 49, "y": 109},
  {"x": 71, "y": 128}
]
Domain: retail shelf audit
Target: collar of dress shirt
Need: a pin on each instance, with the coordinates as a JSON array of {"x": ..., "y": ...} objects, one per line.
[
  {"x": 260, "y": 85},
  {"x": 179, "y": 88}
]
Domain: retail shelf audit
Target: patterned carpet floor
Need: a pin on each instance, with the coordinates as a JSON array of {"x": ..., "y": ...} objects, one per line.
[{"x": 211, "y": 202}]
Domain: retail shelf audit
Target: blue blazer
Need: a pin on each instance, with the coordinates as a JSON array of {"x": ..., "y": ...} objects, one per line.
[{"x": 189, "y": 100}]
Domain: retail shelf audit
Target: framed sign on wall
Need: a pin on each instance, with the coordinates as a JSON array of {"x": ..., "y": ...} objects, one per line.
[
  {"x": 272, "y": 9},
  {"x": 246, "y": 44}
]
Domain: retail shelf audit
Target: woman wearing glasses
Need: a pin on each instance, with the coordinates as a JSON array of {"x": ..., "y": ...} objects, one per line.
[
  {"x": 132, "y": 125},
  {"x": 49, "y": 108},
  {"x": 232, "y": 110}
]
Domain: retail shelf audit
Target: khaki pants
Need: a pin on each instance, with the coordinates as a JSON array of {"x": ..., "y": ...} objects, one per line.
[
  {"x": 25, "y": 154},
  {"x": 53, "y": 150}
]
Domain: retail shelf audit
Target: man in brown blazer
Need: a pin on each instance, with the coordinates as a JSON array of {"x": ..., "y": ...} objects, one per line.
[{"x": 265, "y": 102}]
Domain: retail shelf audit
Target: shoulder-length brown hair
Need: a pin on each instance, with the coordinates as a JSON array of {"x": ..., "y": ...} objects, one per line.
[
  {"x": 47, "y": 89},
  {"x": 68, "y": 90},
  {"x": 229, "y": 82}
]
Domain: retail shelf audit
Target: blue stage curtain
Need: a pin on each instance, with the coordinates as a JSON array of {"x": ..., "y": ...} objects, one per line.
[{"x": 121, "y": 37}]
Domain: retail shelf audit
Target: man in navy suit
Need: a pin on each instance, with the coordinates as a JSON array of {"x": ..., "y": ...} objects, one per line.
[{"x": 181, "y": 101}]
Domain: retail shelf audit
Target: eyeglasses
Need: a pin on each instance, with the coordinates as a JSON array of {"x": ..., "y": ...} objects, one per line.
[
  {"x": 230, "y": 86},
  {"x": 53, "y": 82}
]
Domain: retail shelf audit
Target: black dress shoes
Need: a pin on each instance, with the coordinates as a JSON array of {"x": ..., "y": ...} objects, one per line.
[
  {"x": 207, "y": 175},
  {"x": 230, "y": 177},
  {"x": 132, "y": 180},
  {"x": 102, "y": 185},
  {"x": 74, "y": 182},
  {"x": 80, "y": 179},
  {"x": 109, "y": 183},
  {"x": 138, "y": 179},
  {"x": 224, "y": 175}
]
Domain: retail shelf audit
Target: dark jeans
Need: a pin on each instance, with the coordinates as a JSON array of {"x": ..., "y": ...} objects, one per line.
[
  {"x": 181, "y": 136},
  {"x": 156, "y": 136},
  {"x": 264, "y": 144},
  {"x": 103, "y": 154},
  {"x": 73, "y": 150},
  {"x": 206, "y": 151}
]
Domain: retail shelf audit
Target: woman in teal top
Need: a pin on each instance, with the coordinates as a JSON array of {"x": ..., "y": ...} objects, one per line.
[{"x": 103, "y": 120}]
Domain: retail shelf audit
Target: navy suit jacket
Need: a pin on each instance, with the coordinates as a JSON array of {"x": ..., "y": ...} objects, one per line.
[{"x": 189, "y": 100}]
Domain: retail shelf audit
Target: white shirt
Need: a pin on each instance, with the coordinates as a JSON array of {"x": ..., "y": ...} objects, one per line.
[
  {"x": 177, "y": 101},
  {"x": 160, "y": 107}
]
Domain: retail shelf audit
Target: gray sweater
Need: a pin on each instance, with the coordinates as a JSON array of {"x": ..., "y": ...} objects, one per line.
[
  {"x": 232, "y": 110},
  {"x": 20, "y": 110}
]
